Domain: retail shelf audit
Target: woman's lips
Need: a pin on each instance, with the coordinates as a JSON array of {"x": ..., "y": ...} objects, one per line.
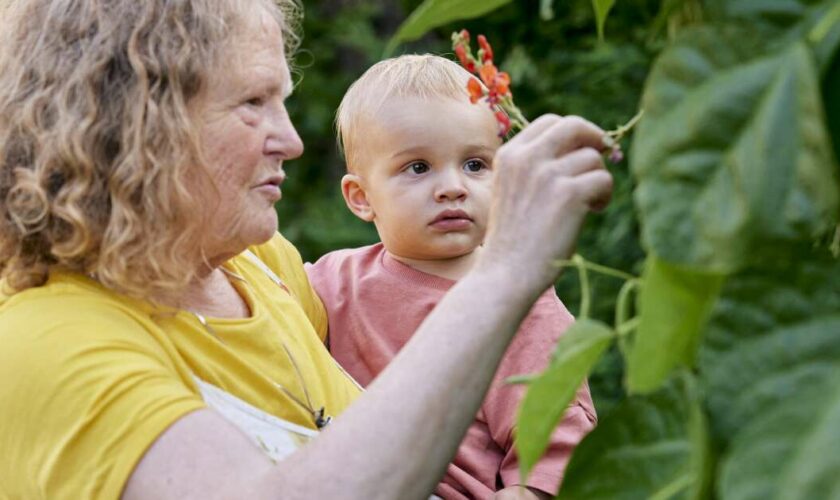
[
  {"x": 271, "y": 191},
  {"x": 271, "y": 187}
]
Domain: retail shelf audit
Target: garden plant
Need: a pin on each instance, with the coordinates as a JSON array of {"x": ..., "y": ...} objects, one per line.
[{"x": 730, "y": 332}]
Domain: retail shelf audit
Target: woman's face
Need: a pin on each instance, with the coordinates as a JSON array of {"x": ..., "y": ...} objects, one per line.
[{"x": 246, "y": 135}]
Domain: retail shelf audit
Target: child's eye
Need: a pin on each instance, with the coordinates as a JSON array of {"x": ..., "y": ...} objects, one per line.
[
  {"x": 474, "y": 166},
  {"x": 418, "y": 167}
]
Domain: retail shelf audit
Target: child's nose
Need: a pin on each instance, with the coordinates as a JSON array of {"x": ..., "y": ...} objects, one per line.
[{"x": 451, "y": 187}]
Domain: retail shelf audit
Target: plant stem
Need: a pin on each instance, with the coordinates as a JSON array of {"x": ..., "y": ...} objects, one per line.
[
  {"x": 598, "y": 268},
  {"x": 585, "y": 298},
  {"x": 618, "y": 133},
  {"x": 623, "y": 325}
]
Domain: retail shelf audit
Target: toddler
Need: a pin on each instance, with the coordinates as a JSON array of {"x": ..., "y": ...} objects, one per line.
[{"x": 420, "y": 167}]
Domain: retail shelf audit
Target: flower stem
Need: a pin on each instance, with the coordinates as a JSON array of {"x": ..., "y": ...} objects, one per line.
[{"x": 617, "y": 134}]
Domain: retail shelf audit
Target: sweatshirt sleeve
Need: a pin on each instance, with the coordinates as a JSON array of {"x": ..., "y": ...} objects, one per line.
[{"x": 530, "y": 352}]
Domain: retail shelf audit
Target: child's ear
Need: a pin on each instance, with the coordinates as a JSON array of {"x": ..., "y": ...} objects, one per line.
[{"x": 356, "y": 198}]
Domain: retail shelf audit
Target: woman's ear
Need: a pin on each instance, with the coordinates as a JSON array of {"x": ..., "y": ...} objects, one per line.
[{"x": 356, "y": 198}]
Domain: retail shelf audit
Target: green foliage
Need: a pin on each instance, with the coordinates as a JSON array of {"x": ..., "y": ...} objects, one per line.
[
  {"x": 652, "y": 446},
  {"x": 550, "y": 394},
  {"x": 771, "y": 359},
  {"x": 673, "y": 306},
  {"x": 602, "y": 10},
  {"x": 790, "y": 452},
  {"x": 773, "y": 333},
  {"x": 434, "y": 13},
  {"x": 733, "y": 159}
]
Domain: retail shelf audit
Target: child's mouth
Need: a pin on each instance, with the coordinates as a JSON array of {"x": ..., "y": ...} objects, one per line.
[{"x": 452, "y": 220}]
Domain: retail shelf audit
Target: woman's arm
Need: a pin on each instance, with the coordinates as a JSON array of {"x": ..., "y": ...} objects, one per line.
[{"x": 397, "y": 439}]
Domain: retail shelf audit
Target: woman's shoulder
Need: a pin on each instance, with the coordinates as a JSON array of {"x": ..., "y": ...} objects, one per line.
[{"x": 68, "y": 308}]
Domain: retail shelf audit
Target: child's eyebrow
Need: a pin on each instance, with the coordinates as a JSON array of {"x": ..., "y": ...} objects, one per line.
[{"x": 414, "y": 150}]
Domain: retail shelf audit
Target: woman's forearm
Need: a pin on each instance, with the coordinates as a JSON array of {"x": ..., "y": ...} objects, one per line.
[{"x": 396, "y": 441}]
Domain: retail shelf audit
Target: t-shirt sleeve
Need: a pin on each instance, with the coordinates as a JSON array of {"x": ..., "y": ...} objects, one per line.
[
  {"x": 84, "y": 391},
  {"x": 284, "y": 259},
  {"x": 528, "y": 353}
]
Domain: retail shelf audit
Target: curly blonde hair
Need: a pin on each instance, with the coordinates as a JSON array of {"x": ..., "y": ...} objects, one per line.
[{"x": 97, "y": 147}]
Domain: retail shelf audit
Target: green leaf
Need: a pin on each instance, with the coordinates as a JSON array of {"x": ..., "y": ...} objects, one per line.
[
  {"x": 790, "y": 452},
  {"x": 733, "y": 162},
  {"x": 773, "y": 332},
  {"x": 602, "y": 10},
  {"x": 546, "y": 10},
  {"x": 549, "y": 394},
  {"x": 433, "y": 13},
  {"x": 652, "y": 447},
  {"x": 786, "y": 21},
  {"x": 674, "y": 305}
]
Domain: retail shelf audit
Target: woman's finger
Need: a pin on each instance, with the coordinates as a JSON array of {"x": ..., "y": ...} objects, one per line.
[
  {"x": 594, "y": 188},
  {"x": 578, "y": 162},
  {"x": 537, "y": 127},
  {"x": 566, "y": 135}
]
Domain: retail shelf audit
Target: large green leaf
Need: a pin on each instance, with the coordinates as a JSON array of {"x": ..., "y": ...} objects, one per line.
[
  {"x": 791, "y": 451},
  {"x": 773, "y": 332},
  {"x": 674, "y": 305},
  {"x": 602, "y": 10},
  {"x": 733, "y": 161},
  {"x": 649, "y": 447},
  {"x": 433, "y": 13},
  {"x": 786, "y": 21},
  {"x": 549, "y": 394}
]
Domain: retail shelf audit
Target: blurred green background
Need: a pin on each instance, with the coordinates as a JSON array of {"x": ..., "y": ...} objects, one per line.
[{"x": 556, "y": 66}]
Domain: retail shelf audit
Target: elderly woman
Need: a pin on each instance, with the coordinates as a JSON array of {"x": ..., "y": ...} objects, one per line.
[{"x": 158, "y": 338}]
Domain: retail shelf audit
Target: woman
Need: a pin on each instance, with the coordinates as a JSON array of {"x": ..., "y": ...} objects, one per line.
[{"x": 158, "y": 339}]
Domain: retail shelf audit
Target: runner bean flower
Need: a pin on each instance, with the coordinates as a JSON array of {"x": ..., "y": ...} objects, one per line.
[{"x": 494, "y": 89}]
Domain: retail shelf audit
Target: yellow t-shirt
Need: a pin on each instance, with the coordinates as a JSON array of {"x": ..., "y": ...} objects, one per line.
[{"x": 89, "y": 379}]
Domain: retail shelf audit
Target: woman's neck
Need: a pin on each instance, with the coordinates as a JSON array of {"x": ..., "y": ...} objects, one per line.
[
  {"x": 213, "y": 295},
  {"x": 453, "y": 268}
]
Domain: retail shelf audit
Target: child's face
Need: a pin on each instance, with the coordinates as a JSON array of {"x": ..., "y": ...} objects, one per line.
[{"x": 426, "y": 173}]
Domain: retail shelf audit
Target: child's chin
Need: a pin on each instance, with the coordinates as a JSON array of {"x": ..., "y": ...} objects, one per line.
[{"x": 454, "y": 251}]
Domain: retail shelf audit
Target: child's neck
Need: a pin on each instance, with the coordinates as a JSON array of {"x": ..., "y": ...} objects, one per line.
[{"x": 454, "y": 268}]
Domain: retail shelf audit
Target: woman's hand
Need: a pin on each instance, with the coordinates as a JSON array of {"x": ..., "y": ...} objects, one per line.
[{"x": 547, "y": 178}]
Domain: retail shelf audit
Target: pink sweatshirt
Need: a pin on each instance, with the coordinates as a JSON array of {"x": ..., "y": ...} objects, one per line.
[{"x": 375, "y": 303}]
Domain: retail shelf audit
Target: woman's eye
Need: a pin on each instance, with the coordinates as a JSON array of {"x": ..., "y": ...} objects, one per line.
[
  {"x": 254, "y": 101},
  {"x": 474, "y": 165},
  {"x": 418, "y": 168}
]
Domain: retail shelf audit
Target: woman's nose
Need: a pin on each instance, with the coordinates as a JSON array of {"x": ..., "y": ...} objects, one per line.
[
  {"x": 451, "y": 186},
  {"x": 282, "y": 139}
]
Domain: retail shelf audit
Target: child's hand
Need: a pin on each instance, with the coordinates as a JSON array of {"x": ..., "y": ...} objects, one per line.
[
  {"x": 547, "y": 179},
  {"x": 520, "y": 493}
]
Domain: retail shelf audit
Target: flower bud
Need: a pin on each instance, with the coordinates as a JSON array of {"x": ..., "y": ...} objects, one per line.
[
  {"x": 485, "y": 46},
  {"x": 504, "y": 123}
]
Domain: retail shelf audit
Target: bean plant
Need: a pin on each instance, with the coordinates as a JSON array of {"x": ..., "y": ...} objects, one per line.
[{"x": 731, "y": 334}]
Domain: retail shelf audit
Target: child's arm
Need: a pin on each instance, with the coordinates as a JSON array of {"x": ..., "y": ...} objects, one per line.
[{"x": 530, "y": 352}]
